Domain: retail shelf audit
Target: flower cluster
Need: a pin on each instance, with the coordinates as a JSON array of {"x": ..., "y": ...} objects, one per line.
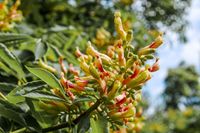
[
  {"x": 116, "y": 76},
  {"x": 9, "y": 15}
]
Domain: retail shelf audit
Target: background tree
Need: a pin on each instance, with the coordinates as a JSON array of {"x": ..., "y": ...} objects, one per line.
[
  {"x": 180, "y": 114},
  {"x": 182, "y": 87}
]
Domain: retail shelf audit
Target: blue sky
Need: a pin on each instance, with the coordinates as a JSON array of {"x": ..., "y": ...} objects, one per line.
[{"x": 172, "y": 53}]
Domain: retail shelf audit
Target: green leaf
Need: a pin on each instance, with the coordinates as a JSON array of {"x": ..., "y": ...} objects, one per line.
[
  {"x": 13, "y": 38},
  {"x": 99, "y": 126},
  {"x": 11, "y": 60},
  {"x": 84, "y": 125},
  {"x": 12, "y": 112},
  {"x": 42, "y": 95},
  {"x": 15, "y": 113},
  {"x": 30, "y": 86},
  {"x": 41, "y": 49},
  {"x": 25, "y": 55},
  {"x": 71, "y": 58},
  {"x": 6, "y": 87},
  {"x": 12, "y": 98},
  {"x": 15, "y": 96},
  {"x": 1, "y": 130},
  {"x": 48, "y": 78},
  {"x": 36, "y": 114}
]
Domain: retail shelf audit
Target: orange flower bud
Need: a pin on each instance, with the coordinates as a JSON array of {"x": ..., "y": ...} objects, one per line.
[
  {"x": 78, "y": 52},
  {"x": 158, "y": 41},
  {"x": 120, "y": 99},
  {"x": 72, "y": 70},
  {"x": 80, "y": 82},
  {"x": 62, "y": 65}
]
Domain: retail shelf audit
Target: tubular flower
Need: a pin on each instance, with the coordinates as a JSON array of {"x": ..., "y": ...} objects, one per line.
[
  {"x": 119, "y": 25},
  {"x": 116, "y": 76}
]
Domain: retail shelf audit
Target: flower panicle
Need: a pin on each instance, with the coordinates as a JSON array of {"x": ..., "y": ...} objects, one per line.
[{"x": 116, "y": 75}]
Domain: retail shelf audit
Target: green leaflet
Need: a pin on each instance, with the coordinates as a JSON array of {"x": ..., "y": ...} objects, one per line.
[
  {"x": 48, "y": 78},
  {"x": 11, "y": 61},
  {"x": 13, "y": 38},
  {"x": 18, "y": 115},
  {"x": 41, "y": 49},
  {"x": 42, "y": 95},
  {"x": 99, "y": 125}
]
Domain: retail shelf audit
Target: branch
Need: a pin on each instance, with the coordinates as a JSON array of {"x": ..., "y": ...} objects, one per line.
[{"x": 75, "y": 121}]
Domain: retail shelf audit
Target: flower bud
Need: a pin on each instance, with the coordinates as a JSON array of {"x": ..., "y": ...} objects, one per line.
[
  {"x": 129, "y": 36},
  {"x": 119, "y": 26},
  {"x": 116, "y": 86},
  {"x": 94, "y": 72},
  {"x": 121, "y": 99},
  {"x": 110, "y": 51},
  {"x": 158, "y": 41},
  {"x": 149, "y": 56},
  {"x": 106, "y": 59},
  {"x": 130, "y": 112},
  {"x": 47, "y": 67},
  {"x": 91, "y": 51},
  {"x": 103, "y": 86},
  {"x": 80, "y": 82},
  {"x": 141, "y": 78},
  {"x": 72, "y": 70},
  {"x": 136, "y": 72},
  {"x": 62, "y": 65},
  {"x": 146, "y": 51},
  {"x": 78, "y": 52},
  {"x": 120, "y": 52},
  {"x": 130, "y": 61},
  {"x": 84, "y": 67}
]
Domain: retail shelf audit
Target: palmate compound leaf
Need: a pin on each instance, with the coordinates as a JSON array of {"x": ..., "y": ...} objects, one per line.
[
  {"x": 11, "y": 61},
  {"x": 48, "y": 78}
]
